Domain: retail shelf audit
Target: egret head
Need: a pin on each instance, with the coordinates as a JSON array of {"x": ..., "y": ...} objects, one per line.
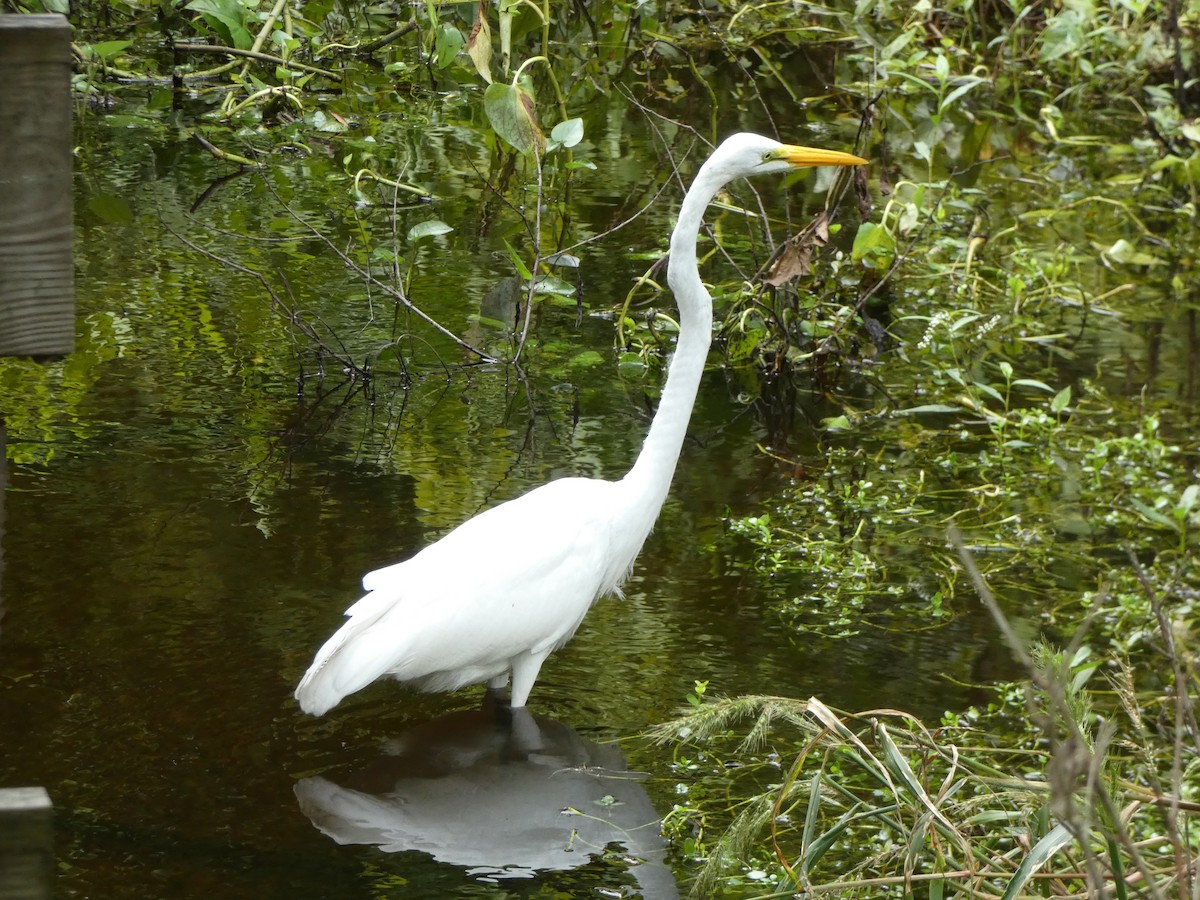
[{"x": 745, "y": 154}]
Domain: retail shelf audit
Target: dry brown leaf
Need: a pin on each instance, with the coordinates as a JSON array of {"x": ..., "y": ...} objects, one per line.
[{"x": 794, "y": 256}]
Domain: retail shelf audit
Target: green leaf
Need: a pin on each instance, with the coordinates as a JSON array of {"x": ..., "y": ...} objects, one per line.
[
  {"x": 1054, "y": 840},
  {"x": 873, "y": 246},
  {"x": 429, "y": 228},
  {"x": 1125, "y": 253},
  {"x": 446, "y": 44},
  {"x": 105, "y": 49},
  {"x": 1061, "y": 400},
  {"x": 989, "y": 390},
  {"x": 836, "y": 423},
  {"x": 548, "y": 284},
  {"x": 227, "y": 18},
  {"x": 968, "y": 84},
  {"x": 568, "y": 133},
  {"x": 1032, "y": 383},
  {"x": 522, "y": 269},
  {"x": 941, "y": 66},
  {"x": 928, "y": 408},
  {"x": 510, "y": 111},
  {"x": 1062, "y": 34},
  {"x": 1153, "y": 515}
]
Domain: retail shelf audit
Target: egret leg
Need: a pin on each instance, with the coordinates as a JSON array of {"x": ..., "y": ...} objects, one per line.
[{"x": 525, "y": 668}]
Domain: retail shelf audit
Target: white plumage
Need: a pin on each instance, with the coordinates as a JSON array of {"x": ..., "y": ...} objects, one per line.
[{"x": 508, "y": 587}]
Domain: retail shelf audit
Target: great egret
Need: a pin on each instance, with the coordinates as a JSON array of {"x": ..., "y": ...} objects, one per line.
[{"x": 502, "y": 591}]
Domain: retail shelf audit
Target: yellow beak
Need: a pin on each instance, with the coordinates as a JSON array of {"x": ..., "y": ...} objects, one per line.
[{"x": 810, "y": 156}]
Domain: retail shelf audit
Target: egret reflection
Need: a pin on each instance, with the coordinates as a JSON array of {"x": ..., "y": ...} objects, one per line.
[{"x": 500, "y": 793}]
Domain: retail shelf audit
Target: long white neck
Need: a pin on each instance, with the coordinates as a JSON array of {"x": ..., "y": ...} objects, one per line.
[{"x": 650, "y": 478}]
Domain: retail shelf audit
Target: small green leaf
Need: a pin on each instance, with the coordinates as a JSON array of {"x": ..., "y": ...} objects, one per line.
[
  {"x": 105, "y": 49},
  {"x": 446, "y": 45},
  {"x": 989, "y": 390},
  {"x": 1061, "y": 400},
  {"x": 836, "y": 423},
  {"x": 568, "y": 133},
  {"x": 1125, "y": 253},
  {"x": 941, "y": 66},
  {"x": 429, "y": 228},
  {"x": 548, "y": 284}
]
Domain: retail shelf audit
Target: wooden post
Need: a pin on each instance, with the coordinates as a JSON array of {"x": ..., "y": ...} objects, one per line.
[
  {"x": 37, "y": 280},
  {"x": 26, "y": 844}
]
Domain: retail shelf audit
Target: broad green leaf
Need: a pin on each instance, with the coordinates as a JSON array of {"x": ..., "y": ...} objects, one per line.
[
  {"x": 1034, "y": 383},
  {"x": 446, "y": 45},
  {"x": 227, "y": 17},
  {"x": 1061, "y": 400},
  {"x": 105, "y": 49},
  {"x": 510, "y": 110},
  {"x": 429, "y": 228},
  {"x": 548, "y": 284},
  {"x": 873, "y": 246},
  {"x": 568, "y": 133}
]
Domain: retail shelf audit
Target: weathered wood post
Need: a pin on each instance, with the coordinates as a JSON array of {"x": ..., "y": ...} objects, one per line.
[
  {"x": 26, "y": 844},
  {"x": 37, "y": 282},
  {"x": 37, "y": 318}
]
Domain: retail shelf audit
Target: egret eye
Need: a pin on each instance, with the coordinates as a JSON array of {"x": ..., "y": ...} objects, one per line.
[{"x": 768, "y": 156}]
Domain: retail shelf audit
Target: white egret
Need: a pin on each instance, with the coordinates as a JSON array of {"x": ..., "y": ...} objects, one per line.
[{"x": 502, "y": 591}]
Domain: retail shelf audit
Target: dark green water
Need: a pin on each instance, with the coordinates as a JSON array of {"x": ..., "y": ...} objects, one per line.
[{"x": 183, "y": 528}]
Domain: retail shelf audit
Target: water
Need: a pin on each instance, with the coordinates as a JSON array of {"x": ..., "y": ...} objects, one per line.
[{"x": 184, "y": 526}]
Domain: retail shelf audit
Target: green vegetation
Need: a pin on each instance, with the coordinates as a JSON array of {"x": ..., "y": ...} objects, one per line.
[{"x": 1002, "y": 340}]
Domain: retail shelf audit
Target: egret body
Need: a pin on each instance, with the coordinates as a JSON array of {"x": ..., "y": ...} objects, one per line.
[{"x": 505, "y": 589}]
